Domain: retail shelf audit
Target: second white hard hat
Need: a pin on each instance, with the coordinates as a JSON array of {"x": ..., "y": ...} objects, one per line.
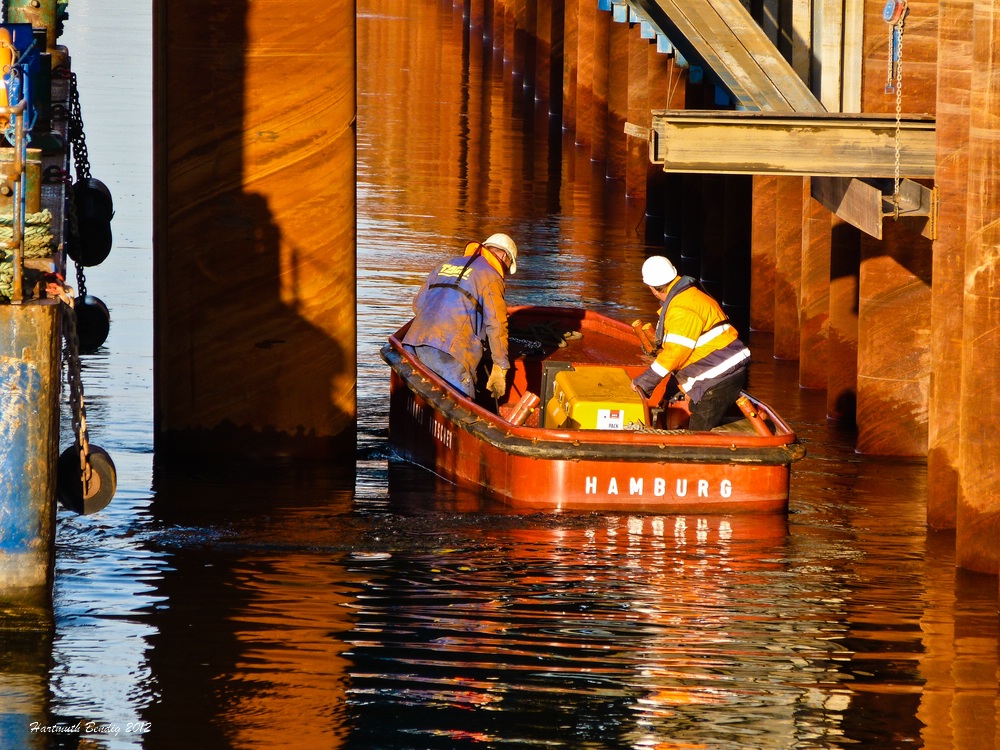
[
  {"x": 502, "y": 242},
  {"x": 657, "y": 271}
]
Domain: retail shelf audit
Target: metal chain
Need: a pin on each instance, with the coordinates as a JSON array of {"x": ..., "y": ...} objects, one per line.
[
  {"x": 889, "y": 60},
  {"x": 81, "y": 280},
  {"x": 899, "y": 110},
  {"x": 53, "y": 175},
  {"x": 73, "y": 377},
  {"x": 77, "y": 139},
  {"x": 74, "y": 232},
  {"x": 81, "y": 164}
]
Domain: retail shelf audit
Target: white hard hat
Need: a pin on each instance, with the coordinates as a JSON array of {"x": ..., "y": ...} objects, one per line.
[
  {"x": 502, "y": 242},
  {"x": 657, "y": 271}
]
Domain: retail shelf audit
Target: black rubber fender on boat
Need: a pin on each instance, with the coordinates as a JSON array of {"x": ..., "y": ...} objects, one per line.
[
  {"x": 94, "y": 209},
  {"x": 93, "y": 323},
  {"x": 69, "y": 483}
]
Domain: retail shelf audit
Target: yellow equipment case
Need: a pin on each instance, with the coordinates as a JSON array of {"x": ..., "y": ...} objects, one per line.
[{"x": 592, "y": 398}]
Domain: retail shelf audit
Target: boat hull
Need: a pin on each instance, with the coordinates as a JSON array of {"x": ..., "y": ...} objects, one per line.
[
  {"x": 532, "y": 467},
  {"x": 422, "y": 434}
]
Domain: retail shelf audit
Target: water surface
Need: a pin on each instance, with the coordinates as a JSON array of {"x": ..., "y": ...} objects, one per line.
[{"x": 249, "y": 608}]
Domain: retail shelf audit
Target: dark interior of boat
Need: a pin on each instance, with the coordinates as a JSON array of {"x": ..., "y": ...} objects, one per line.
[{"x": 543, "y": 344}]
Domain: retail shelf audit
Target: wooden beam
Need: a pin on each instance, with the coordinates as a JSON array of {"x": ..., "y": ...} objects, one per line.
[
  {"x": 723, "y": 36},
  {"x": 854, "y": 22},
  {"x": 637, "y": 131},
  {"x": 806, "y": 144},
  {"x": 828, "y": 33}
]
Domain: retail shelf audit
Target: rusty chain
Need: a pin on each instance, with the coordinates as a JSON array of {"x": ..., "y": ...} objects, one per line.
[
  {"x": 71, "y": 354},
  {"x": 894, "y": 84},
  {"x": 78, "y": 407}
]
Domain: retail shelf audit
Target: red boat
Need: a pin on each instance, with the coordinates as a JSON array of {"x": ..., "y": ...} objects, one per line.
[{"x": 572, "y": 434}]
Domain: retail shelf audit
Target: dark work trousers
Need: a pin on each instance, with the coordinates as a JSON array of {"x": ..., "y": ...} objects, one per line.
[
  {"x": 710, "y": 409},
  {"x": 445, "y": 365}
]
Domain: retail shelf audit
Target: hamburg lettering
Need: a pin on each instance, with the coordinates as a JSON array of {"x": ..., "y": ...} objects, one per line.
[{"x": 659, "y": 486}]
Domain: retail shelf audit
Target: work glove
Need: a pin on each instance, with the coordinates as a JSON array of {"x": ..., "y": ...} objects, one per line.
[
  {"x": 497, "y": 384},
  {"x": 646, "y": 382}
]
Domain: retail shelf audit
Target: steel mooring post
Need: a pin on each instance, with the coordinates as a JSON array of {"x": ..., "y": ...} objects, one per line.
[{"x": 29, "y": 442}]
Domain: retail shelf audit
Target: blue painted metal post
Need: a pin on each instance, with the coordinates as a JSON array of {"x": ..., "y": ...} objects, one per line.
[{"x": 29, "y": 441}]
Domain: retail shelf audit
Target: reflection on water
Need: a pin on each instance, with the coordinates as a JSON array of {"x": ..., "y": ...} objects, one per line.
[
  {"x": 271, "y": 608},
  {"x": 602, "y": 632},
  {"x": 26, "y": 628}
]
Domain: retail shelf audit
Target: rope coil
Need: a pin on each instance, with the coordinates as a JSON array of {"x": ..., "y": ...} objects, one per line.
[{"x": 38, "y": 243}]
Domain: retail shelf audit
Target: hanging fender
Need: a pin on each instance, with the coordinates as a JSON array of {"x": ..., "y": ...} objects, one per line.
[
  {"x": 93, "y": 323},
  {"x": 69, "y": 480},
  {"x": 94, "y": 210}
]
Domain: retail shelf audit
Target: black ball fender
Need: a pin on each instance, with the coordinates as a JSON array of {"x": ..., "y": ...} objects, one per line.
[
  {"x": 93, "y": 323},
  {"x": 94, "y": 209},
  {"x": 69, "y": 482}
]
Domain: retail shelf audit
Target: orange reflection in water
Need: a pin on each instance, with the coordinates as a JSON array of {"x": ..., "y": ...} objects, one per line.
[{"x": 290, "y": 680}]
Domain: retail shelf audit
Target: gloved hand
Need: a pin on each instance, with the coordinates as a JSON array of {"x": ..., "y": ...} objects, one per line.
[
  {"x": 646, "y": 382},
  {"x": 497, "y": 383}
]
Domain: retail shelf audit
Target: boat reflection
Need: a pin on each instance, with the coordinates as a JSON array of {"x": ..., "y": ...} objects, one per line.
[{"x": 603, "y": 630}]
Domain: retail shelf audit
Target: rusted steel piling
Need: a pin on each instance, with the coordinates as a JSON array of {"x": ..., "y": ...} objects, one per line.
[
  {"x": 814, "y": 303},
  {"x": 842, "y": 333},
  {"x": 952, "y": 182},
  {"x": 978, "y": 512},
  {"x": 254, "y": 228},
  {"x": 788, "y": 269},
  {"x": 894, "y": 344}
]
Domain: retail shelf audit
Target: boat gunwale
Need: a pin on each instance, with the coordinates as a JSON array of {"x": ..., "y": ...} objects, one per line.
[{"x": 625, "y": 445}]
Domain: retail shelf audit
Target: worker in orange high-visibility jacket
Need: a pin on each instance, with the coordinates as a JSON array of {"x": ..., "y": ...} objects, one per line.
[
  {"x": 698, "y": 345},
  {"x": 459, "y": 306}
]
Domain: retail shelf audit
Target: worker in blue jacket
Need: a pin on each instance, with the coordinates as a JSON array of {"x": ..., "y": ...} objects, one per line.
[{"x": 459, "y": 306}]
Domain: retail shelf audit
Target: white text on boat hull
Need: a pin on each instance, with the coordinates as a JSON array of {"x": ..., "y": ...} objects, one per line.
[{"x": 658, "y": 487}]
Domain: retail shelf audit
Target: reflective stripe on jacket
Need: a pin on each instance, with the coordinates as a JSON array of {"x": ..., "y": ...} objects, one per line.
[
  {"x": 461, "y": 304},
  {"x": 699, "y": 345}
]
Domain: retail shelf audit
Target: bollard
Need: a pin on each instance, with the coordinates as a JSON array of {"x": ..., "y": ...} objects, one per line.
[
  {"x": 523, "y": 408},
  {"x": 753, "y": 416}
]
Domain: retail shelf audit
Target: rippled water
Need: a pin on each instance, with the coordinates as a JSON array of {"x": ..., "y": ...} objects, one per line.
[{"x": 303, "y": 609}]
